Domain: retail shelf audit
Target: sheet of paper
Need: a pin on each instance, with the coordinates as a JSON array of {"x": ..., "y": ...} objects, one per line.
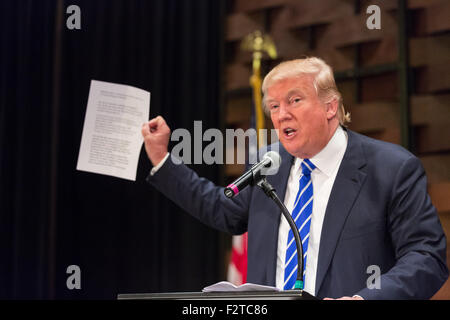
[
  {"x": 111, "y": 139},
  {"x": 225, "y": 286}
]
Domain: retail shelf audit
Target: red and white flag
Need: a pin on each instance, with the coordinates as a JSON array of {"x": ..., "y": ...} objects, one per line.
[{"x": 237, "y": 270}]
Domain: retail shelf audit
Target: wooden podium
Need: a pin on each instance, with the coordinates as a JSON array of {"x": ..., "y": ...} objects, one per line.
[{"x": 242, "y": 295}]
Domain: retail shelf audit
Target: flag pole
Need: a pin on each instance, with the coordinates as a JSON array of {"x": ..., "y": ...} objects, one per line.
[{"x": 257, "y": 43}]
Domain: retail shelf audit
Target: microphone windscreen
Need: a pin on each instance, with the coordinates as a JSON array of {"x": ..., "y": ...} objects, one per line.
[{"x": 275, "y": 162}]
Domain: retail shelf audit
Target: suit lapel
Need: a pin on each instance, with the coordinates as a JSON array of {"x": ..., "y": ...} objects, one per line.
[{"x": 346, "y": 187}]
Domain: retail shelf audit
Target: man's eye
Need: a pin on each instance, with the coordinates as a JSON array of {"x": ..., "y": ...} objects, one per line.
[
  {"x": 274, "y": 106},
  {"x": 296, "y": 100}
]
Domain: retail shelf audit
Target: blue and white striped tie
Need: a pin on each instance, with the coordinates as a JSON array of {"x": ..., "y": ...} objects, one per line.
[{"x": 301, "y": 214}]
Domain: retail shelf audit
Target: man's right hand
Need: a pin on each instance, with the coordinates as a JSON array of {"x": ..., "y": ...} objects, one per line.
[{"x": 156, "y": 135}]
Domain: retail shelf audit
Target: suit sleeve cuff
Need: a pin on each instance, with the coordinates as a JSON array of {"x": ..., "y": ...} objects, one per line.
[{"x": 159, "y": 165}]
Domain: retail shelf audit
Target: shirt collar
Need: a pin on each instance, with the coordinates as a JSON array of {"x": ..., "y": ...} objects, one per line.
[{"x": 329, "y": 157}]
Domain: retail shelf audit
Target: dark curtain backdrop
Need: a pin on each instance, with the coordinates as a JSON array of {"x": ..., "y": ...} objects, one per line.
[{"x": 125, "y": 236}]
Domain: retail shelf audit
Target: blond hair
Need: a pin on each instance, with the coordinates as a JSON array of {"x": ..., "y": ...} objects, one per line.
[{"x": 324, "y": 82}]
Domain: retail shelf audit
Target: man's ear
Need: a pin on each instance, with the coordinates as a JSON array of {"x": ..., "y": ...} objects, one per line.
[{"x": 332, "y": 109}]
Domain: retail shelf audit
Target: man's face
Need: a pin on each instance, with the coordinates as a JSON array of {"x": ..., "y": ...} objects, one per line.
[{"x": 299, "y": 115}]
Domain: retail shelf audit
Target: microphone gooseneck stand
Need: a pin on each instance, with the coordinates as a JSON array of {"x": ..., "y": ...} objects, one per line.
[{"x": 270, "y": 192}]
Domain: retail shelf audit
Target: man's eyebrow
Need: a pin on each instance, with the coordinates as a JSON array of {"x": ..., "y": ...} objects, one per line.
[
  {"x": 269, "y": 99},
  {"x": 294, "y": 91},
  {"x": 291, "y": 92}
]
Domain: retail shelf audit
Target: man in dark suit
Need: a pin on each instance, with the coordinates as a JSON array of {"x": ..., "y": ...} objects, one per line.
[{"x": 363, "y": 202}]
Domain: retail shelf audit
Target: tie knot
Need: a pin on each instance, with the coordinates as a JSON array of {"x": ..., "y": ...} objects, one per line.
[{"x": 307, "y": 167}]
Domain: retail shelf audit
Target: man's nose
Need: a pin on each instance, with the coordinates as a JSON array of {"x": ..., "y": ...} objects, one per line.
[{"x": 284, "y": 113}]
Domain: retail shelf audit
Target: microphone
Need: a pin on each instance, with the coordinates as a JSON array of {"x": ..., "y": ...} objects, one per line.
[
  {"x": 267, "y": 166},
  {"x": 256, "y": 176}
]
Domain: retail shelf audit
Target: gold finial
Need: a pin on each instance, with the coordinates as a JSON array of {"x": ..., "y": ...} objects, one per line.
[{"x": 258, "y": 43}]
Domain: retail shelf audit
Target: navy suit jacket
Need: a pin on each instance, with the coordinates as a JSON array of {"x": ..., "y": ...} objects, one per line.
[{"x": 378, "y": 214}]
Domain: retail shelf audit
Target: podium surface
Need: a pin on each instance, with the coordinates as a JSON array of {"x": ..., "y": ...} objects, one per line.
[{"x": 241, "y": 295}]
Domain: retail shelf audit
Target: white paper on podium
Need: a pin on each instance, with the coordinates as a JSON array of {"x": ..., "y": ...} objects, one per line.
[
  {"x": 225, "y": 286},
  {"x": 111, "y": 139}
]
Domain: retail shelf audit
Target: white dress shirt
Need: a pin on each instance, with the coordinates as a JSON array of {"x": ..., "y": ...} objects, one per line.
[
  {"x": 327, "y": 163},
  {"x": 159, "y": 165}
]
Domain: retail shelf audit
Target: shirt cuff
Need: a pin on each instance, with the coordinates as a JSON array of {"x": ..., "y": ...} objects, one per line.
[{"x": 159, "y": 165}]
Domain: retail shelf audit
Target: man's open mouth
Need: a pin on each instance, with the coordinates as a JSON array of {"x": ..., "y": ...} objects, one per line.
[{"x": 289, "y": 132}]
